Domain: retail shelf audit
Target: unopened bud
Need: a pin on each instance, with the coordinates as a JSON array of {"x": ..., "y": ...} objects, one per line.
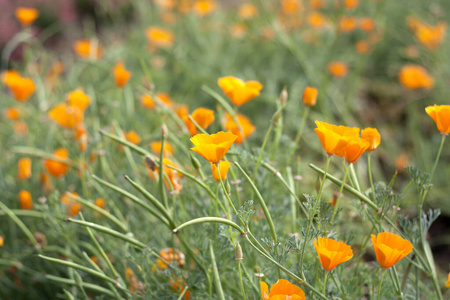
[
  {"x": 150, "y": 162},
  {"x": 276, "y": 116},
  {"x": 164, "y": 131},
  {"x": 228, "y": 188},
  {"x": 238, "y": 252},
  {"x": 195, "y": 162},
  {"x": 283, "y": 97}
]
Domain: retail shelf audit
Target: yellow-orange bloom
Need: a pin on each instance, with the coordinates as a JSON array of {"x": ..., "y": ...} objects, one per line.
[
  {"x": 291, "y": 7},
  {"x": 56, "y": 168},
  {"x": 316, "y": 20},
  {"x": 12, "y": 113},
  {"x": 351, "y": 4},
  {"x": 147, "y": 101},
  {"x": 367, "y": 24},
  {"x": 338, "y": 69},
  {"x": 159, "y": 37},
  {"x": 172, "y": 175},
  {"x": 204, "y": 7},
  {"x": 334, "y": 138},
  {"x": 347, "y": 24},
  {"x": 87, "y": 49},
  {"x": 66, "y": 115},
  {"x": 213, "y": 147},
  {"x": 243, "y": 129},
  {"x": 390, "y": 248},
  {"x": 26, "y": 15},
  {"x": 282, "y": 289},
  {"x": 447, "y": 284},
  {"x": 362, "y": 47},
  {"x": 441, "y": 115},
  {"x": 429, "y": 36},
  {"x": 25, "y": 200},
  {"x": 1, "y": 241},
  {"x": 121, "y": 75},
  {"x": 133, "y": 137},
  {"x": 223, "y": 168},
  {"x": 100, "y": 202},
  {"x": 156, "y": 148},
  {"x": 79, "y": 99},
  {"x": 165, "y": 98},
  {"x": 247, "y": 11},
  {"x": 355, "y": 147},
  {"x": 202, "y": 116},
  {"x": 20, "y": 87},
  {"x": 332, "y": 253},
  {"x": 24, "y": 168},
  {"x": 238, "y": 91},
  {"x": 170, "y": 255},
  {"x": 414, "y": 77},
  {"x": 72, "y": 206},
  {"x": 372, "y": 136},
  {"x": 310, "y": 96}
]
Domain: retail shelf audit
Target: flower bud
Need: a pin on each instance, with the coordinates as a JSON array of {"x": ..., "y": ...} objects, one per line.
[
  {"x": 310, "y": 96},
  {"x": 164, "y": 131},
  {"x": 276, "y": 116},
  {"x": 238, "y": 252},
  {"x": 195, "y": 162},
  {"x": 150, "y": 162},
  {"x": 283, "y": 97}
]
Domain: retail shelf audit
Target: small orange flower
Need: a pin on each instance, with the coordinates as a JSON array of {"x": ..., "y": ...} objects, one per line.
[
  {"x": 133, "y": 137},
  {"x": 79, "y": 99},
  {"x": 441, "y": 115},
  {"x": 429, "y": 36},
  {"x": 332, "y": 253},
  {"x": 66, "y": 115},
  {"x": 121, "y": 75},
  {"x": 147, "y": 101},
  {"x": 24, "y": 168},
  {"x": 401, "y": 162},
  {"x": 351, "y": 4},
  {"x": 316, "y": 20},
  {"x": 367, "y": 24},
  {"x": 170, "y": 255},
  {"x": 238, "y": 30},
  {"x": 1, "y": 241},
  {"x": 26, "y": 15},
  {"x": 100, "y": 202},
  {"x": 390, "y": 248},
  {"x": 447, "y": 284},
  {"x": 156, "y": 148},
  {"x": 73, "y": 207},
  {"x": 316, "y": 4},
  {"x": 310, "y": 96},
  {"x": 334, "y": 138},
  {"x": 355, "y": 147},
  {"x": 12, "y": 113},
  {"x": 213, "y": 147},
  {"x": 25, "y": 200},
  {"x": 81, "y": 136},
  {"x": 362, "y": 47},
  {"x": 159, "y": 37},
  {"x": 204, "y": 7},
  {"x": 247, "y": 11},
  {"x": 347, "y": 24},
  {"x": 414, "y": 77},
  {"x": 173, "y": 176},
  {"x": 238, "y": 91},
  {"x": 56, "y": 168},
  {"x": 182, "y": 110},
  {"x": 20, "y": 127},
  {"x": 87, "y": 49},
  {"x": 20, "y": 87},
  {"x": 282, "y": 289},
  {"x": 202, "y": 116},
  {"x": 338, "y": 69},
  {"x": 178, "y": 285},
  {"x": 134, "y": 285},
  {"x": 243, "y": 129},
  {"x": 46, "y": 183},
  {"x": 223, "y": 168},
  {"x": 291, "y": 7},
  {"x": 372, "y": 136},
  {"x": 164, "y": 98}
]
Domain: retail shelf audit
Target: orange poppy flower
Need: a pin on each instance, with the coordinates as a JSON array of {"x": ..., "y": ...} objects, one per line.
[
  {"x": 24, "y": 168},
  {"x": 79, "y": 99},
  {"x": 362, "y": 47},
  {"x": 147, "y": 101},
  {"x": 401, "y": 162},
  {"x": 87, "y": 49},
  {"x": 20, "y": 87},
  {"x": 46, "y": 183},
  {"x": 159, "y": 37},
  {"x": 81, "y": 136},
  {"x": 20, "y": 127},
  {"x": 372, "y": 136},
  {"x": 238, "y": 91},
  {"x": 134, "y": 285},
  {"x": 156, "y": 148},
  {"x": 170, "y": 255},
  {"x": 178, "y": 285},
  {"x": 204, "y": 7},
  {"x": 282, "y": 289},
  {"x": 56, "y": 168},
  {"x": 429, "y": 36},
  {"x": 316, "y": 4},
  {"x": 355, "y": 147},
  {"x": 238, "y": 30},
  {"x": 100, "y": 202},
  {"x": 73, "y": 207},
  {"x": 247, "y": 11},
  {"x": 173, "y": 176},
  {"x": 334, "y": 138},
  {"x": 213, "y": 147},
  {"x": 243, "y": 130},
  {"x": 291, "y": 7},
  {"x": 338, "y": 69},
  {"x": 1, "y": 241},
  {"x": 121, "y": 75},
  {"x": 414, "y": 77},
  {"x": 351, "y": 4},
  {"x": 441, "y": 115},
  {"x": 26, "y": 15},
  {"x": 164, "y": 98},
  {"x": 310, "y": 96},
  {"x": 66, "y": 115},
  {"x": 366, "y": 24},
  {"x": 390, "y": 248},
  {"x": 447, "y": 284},
  {"x": 25, "y": 200},
  {"x": 332, "y": 253},
  {"x": 202, "y": 116},
  {"x": 133, "y": 137},
  {"x": 182, "y": 110},
  {"x": 12, "y": 113},
  {"x": 316, "y": 20},
  {"x": 347, "y": 23},
  {"x": 223, "y": 167}
]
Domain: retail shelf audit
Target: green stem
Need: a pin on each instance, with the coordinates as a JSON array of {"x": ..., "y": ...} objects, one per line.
[
  {"x": 325, "y": 283},
  {"x": 161, "y": 171},
  {"x": 438, "y": 156},
  {"x": 217, "y": 282},
  {"x": 258, "y": 161},
  {"x": 347, "y": 167},
  {"x": 379, "y": 283},
  {"x": 369, "y": 170},
  {"x": 240, "y": 279},
  {"x": 299, "y": 133}
]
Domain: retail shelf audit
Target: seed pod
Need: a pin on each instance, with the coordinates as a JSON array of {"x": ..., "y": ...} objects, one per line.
[{"x": 238, "y": 252}]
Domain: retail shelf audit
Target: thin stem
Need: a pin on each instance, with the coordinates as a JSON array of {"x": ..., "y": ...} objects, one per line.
[
  {"x": 299, "y": 133},
  {"x": 325, "y": 283},
  {"x": 339, "y": 196},
  {"x": 369, "y": 170},
  {"x": 438, "y": 156},
  {"x": 217, "y": 282},
  {"x": 240, "y": 279},
  {"x": 379, "y": 283},
  {"x": 161, "y": 171},
  {"x": 258, "y": 161}
]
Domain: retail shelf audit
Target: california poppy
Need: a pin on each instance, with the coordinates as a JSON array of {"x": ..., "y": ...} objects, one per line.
[
  {"x": 72, "y": 206},
  {"x": 429, "y": 36},
  {"x": 26, "y": 15},
  {"x": 414, "y": 77},
  {"x": 100, "y": 202},
  {"x": 247, "y": 11},
  {"x": 204, "y": 7},
  {"x": 310, "y": 96},
  {"x": 202, "y": 116},
  {"x": 347, "y": 23},
  {"x": 332, "y": 253},
  {"x": 338, "y": 69},
  {"x": 243, "y": 129},
  {"x": 351, "y": 4},
  {"x": 367, "y": 24},
  {"x": 147, "y": 101},
  {"x": 223, "y": 168},
  {"x": 170, "y": 255},
  {"x": 159, "y": 37},
  {"x": 291, "y": 7},
  {"x": 334, "y": 138},
  {"x": 79, "y": 99},
  {"x": 56, "y": 168},
  {"x": 213, "y": 147},
  {"x": 282, "y": 289},
  {"x": 178, "y": 285},
  {"x": 12, "y": 113},
  {"x": 20, "y": 87},
  {"x": 390, "y": 248},
  {"x": 24, "y": 168},
  {"x": 441, "y": 115},
  {"x": 121, "y": 75},
  {"x": 1, "y": 241},
  {"x": 316, "y": 20},
  {"x": 372, "y": 136},
  {"x": 156, "y": 148},
  {"x": 238, "y": 91},
  {"x": 354, "y": 148},
  {"x": 133, "y": 137},
  {"x": 165, "y": 99},
  {"x": 87, "y": 49},
  {"x": 447, "y": 284},
  {"x": 25, "y": 200},
  {"x": 174, "y": 177},
  {"x": 66, "y": 115}
]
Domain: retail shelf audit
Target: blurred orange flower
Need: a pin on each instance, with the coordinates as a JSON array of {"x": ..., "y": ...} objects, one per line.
[
  {"x": 24, "y": 168},
  {"x": 26, "y": 15},
  {"x": 316, "y": 20},
  {"x": 170, "y": 255},
  {"x": 213, "y": 147},
  {"x": 204, "y": 7},
  {"x": 367, "y": 24},
  {"x": 121, "y": 75},
  {"x": 282, "y": 289},
  {"x": 87, "y": 49},
  {"x": 338, "y": 69},
  {"x": 20, "y": 87},
  {"x": 347, "y": 23},
  {"x": 429, "y": 36},
  {"x": 147, "y": 101},
  {"x": 332, "y": 253},
  {"x": 56, "y": 168},
  {"x": 72, "y": 206},
  {"x": 362, "y": 47},
  {"x": 156, "y": 148},
  {"x": 173, "y": 176},
  {"x": 447, "y": 284},
  {"x": 334, "y": 138},
  {"x": 291, "y": 7},
  {"x": 12, "y": 113},
  {"x": 310, "y": 96},
  {"x": 351, "y": 4},
  {"x": 1, "y": 241},
  {"x": 243, "y": 129},
  {"x": 316, "y": 4},
  {"x": 79, "y": 99},
  {"x": 247, "y": 11},
  {"x": 46, "y": 183},
  {"x": 25, "y": 200},
  {"x": 133, "y": 137},
  {"x": 238, "y": 91},
  {"x": 238, "y": 30},
  {"x": 20, "y": 127},
  {"x": 100, "y": 202},
  {"x": 414, "y": 77},
  {"x": 66, "y": 115},
  {"x": 164, "y": 98},
  {"x": 159, "y": 37},
  {"x": 178, "y": 285},
  {"x": 441, "y": 115},
  {"x": 372, "y": 136},
  {"x": 390, "y": 248},
  {"x": 202, "y": 116},
  {"x": 223, "y": 168}
]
